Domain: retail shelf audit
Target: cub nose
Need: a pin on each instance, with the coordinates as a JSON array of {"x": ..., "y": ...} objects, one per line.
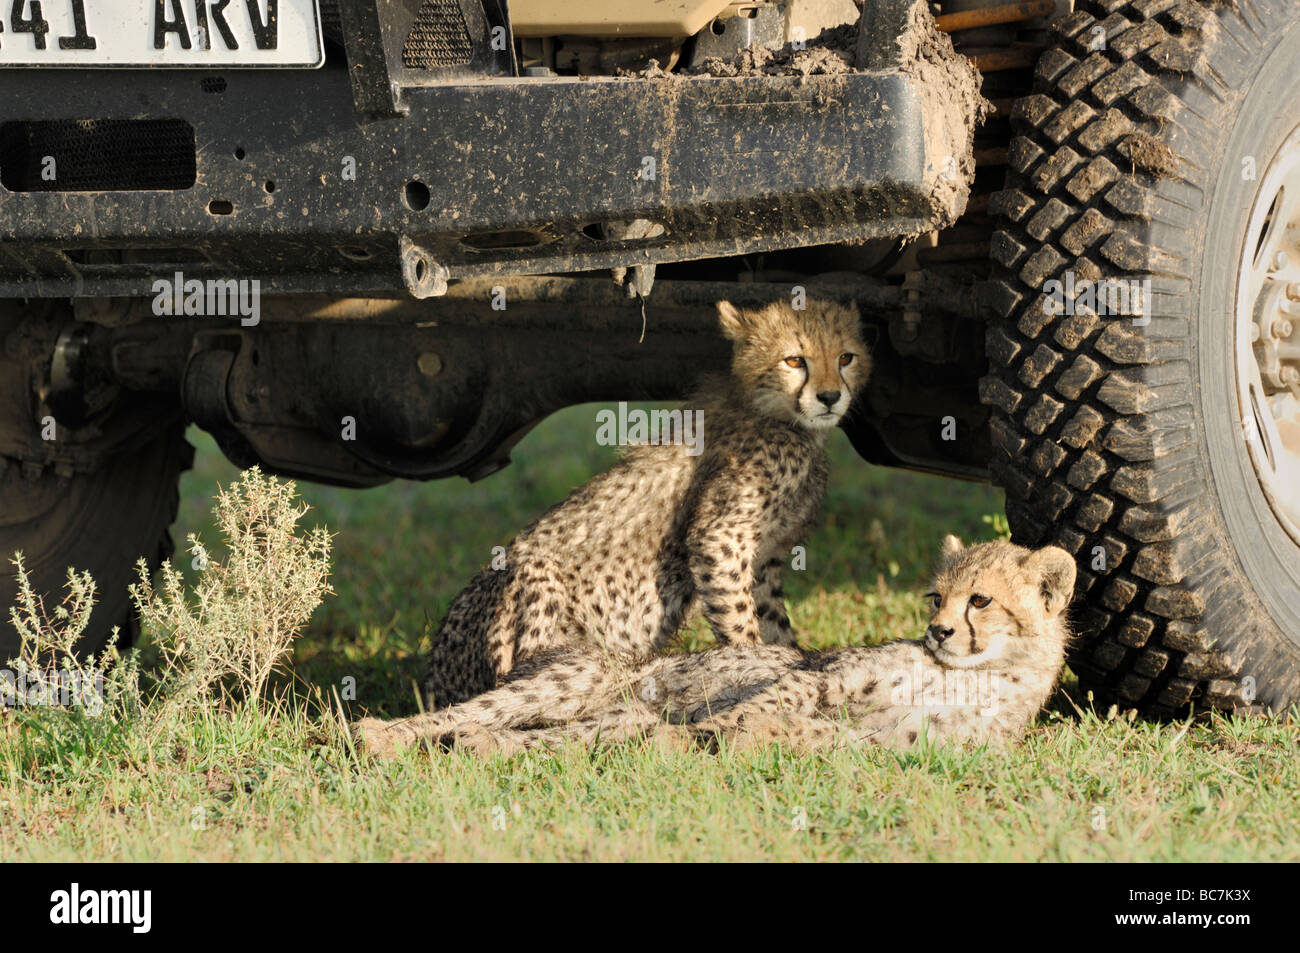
[
  {"x": 939, "y": 633},
  {"x": 829, "y": 397}
]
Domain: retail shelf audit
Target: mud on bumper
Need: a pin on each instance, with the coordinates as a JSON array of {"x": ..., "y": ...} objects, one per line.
[{"x": 291, "y": 182}]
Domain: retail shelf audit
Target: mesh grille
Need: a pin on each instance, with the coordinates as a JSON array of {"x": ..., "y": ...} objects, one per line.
[
  {"x": 330, "y": 20},
  {"x": 97, "y": 155},
  {"x": 438, "y": 38}
]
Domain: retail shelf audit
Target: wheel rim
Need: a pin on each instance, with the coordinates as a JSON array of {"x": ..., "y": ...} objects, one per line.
[{"x": 1268, "y": 336}]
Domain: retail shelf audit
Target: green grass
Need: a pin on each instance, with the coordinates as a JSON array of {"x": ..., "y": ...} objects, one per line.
[{"x": 241, "y": 785}]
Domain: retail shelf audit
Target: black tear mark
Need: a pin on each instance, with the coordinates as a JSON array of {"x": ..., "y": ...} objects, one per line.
[{"x": 966, "y": 617}]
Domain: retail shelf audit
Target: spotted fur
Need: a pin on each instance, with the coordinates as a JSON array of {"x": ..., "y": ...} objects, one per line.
[
  {"x": 984, "y": 683},
  {"x": 612, "y": 571}
]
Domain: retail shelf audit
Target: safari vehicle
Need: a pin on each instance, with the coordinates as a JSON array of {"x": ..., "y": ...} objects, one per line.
[{"x": 359, "y": 240}]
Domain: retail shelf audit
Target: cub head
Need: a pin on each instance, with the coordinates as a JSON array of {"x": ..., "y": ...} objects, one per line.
[
  {"x": 993, "y": 602},
  {"x": 799, "y": 366}
]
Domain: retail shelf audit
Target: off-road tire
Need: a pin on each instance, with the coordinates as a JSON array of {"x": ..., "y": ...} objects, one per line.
[
  {"x": 1120, "y": 167},
  {"x": 102, "y": 519}
]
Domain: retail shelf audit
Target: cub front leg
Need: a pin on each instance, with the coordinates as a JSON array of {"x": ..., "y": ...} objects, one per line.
[
  {"x": 738, "y": 517},
  {"x": 550, "y": 689},
  {"x": 773, "y": 624},
  {"x": 794, "y": 693},
  {"x": 722, "y": 545},
  {"x": 803, "y": 733},
  {"x": 721, "y": 564},
  {"x": 612, "y": 727}
]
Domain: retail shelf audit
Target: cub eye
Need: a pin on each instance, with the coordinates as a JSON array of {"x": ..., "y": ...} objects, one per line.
[
  {"x": 846, "y": 359},
  {"x": 935, "y": 599},
  {"x": 795, "y": 361},
  {"x": 979, "y": 602}
]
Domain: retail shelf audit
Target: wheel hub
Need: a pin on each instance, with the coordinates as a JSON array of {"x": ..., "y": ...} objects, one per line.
[{"x": 1268, "y": 335}]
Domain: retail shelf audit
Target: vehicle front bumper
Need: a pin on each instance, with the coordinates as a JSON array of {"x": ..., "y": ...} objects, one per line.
[{"x": 297, "y": 188}]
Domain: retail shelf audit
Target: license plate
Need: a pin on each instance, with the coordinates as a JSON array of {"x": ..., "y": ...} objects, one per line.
[{"x": 203, "y": 34}]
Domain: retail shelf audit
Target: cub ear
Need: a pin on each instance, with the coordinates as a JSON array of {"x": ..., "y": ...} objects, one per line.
[
  {"x": 1055, "y": 570},
  {"x": 952, "y": 547},
  {"x": 732, "y": 320}
]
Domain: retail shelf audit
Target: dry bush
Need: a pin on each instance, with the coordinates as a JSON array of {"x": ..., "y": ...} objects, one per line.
[
  {"x": 223, "y": 641},
  {"x": 219, "y": 642}
]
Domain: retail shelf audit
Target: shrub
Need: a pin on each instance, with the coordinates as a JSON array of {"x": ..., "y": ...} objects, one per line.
[
  {"x": 225, "y": 640},
  {"x": 220, "y": 642}
]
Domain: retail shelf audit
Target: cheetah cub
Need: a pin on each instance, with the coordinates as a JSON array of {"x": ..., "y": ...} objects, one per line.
[
  {"x": 987, "y": 664},
  {"x": 610, "y": 572}
]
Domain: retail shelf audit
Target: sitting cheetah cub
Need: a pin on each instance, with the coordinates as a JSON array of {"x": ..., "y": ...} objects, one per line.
[
  {"x": 986, "y": 666},
  {"x": 612, "y": 571}
]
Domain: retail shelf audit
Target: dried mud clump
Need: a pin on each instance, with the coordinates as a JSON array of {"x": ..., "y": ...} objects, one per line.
[
  {"x": 947, "y": 83},
  {"x": 1149, "y": 154},
  {"x": 830, "y": 53}
]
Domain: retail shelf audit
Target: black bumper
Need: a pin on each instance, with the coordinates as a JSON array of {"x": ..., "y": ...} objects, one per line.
[{"x": 294, "y": 187}]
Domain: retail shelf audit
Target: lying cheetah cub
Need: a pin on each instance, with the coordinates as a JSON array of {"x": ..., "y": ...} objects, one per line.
[
  {"x": 611, "y": 571},
  {"x": 986, "y": 666}
]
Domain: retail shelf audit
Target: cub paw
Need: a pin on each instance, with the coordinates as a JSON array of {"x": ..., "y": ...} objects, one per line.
[{"x": 381, "y": 739}]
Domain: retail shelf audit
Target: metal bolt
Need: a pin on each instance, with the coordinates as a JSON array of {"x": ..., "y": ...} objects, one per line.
[
  {"x": 1282, "y": 328},
  {"x": 911, "y": 328},
  {"x": 1290, "y": 375},
  {"x": 1293, "y": 290},
  {"x": 430, "y": 364},
  {"x": 1280, "y": 261}
]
